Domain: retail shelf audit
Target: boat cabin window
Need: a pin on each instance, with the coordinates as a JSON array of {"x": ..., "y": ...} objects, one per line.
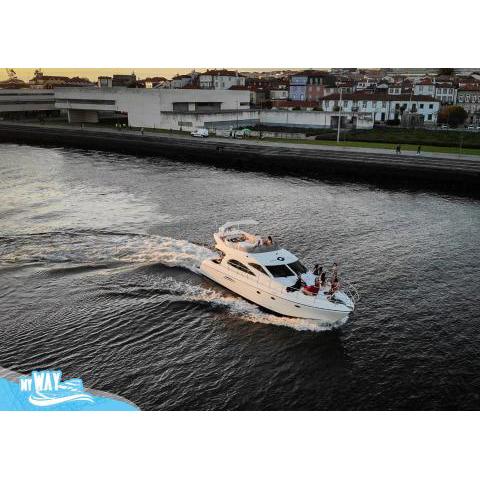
[
  {"x": 279, "y": 270},
  {"x": 258, "y": 267},
  {"x": 240, "y": 266},
  {"x": 298, "y": 267}
]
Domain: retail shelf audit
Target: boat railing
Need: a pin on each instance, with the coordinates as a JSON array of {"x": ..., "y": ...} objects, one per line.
[{"x": 351, "y": 291}]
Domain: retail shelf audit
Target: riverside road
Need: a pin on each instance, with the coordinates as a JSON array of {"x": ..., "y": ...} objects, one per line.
[{"x": 460, "y": 173}]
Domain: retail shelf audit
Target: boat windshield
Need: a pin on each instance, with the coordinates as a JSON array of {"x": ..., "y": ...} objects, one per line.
[
  {"x": 298, "y": 267},
  {"x": 279, "y": 271}
]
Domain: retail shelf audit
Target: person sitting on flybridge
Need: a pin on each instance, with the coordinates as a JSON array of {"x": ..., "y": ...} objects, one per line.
[{"x": 269, "y": 241}]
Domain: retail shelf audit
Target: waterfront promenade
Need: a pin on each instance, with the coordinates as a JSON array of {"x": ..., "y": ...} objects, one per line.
[{"x": 449, "y": 171}]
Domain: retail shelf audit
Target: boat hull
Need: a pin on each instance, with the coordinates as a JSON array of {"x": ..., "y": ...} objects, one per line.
[{"x": 272, "y": 300}]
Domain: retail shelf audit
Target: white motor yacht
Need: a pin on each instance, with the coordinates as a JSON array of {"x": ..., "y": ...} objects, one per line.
[{"x": 269, "y": 276}]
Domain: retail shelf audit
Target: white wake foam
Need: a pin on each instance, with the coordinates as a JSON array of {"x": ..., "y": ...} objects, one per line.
[
  {"x": 171, "y": 252},
  {"x": 244, "y": 309}
]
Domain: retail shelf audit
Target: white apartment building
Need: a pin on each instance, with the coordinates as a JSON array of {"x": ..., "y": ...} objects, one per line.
[
  {"x": 383, "y": 107},
  {"x": 445, "y": 93},
  {"x": 221, "y": 79},
  {"x": 279, "y": 94},
  {"x": 468, "y": 97},
  {"x": 425, "y": 87}
]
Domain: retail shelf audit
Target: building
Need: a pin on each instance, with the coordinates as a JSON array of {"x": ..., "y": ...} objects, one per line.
[
  {"x": 384, "y": 107},
  {"x": 309, "y": 85},
  {"x": 426, "y": 86},
  {"x": 104, "y": 82},
  {"x": 314, "y": 119},
  {"x": 155, "y": 82},
  {"x": 161, "y": 108},
  {"x": 119, "y": 80},
  {"x": 41, "y": 81},
  {"x": 182, "y": 81},
  {"x": 446, "y": 93},
  {"x": 221, "y": 79},
  {"x": 26, "y": 102},
  {"x": 468, "y": 97},
  {"x": 279, "y": 94}
]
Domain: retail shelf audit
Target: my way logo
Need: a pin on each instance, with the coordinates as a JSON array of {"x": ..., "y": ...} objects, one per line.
[{"x": 46, "y": 389}]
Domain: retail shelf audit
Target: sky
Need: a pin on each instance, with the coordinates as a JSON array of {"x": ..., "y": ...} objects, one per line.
[{"x": 92, "y": 73}]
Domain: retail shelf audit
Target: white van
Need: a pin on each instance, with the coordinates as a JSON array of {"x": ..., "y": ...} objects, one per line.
[{"x": 199, "y": 132}]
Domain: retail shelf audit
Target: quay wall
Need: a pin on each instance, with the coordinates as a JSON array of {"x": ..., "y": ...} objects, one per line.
[{"x": 459, "y": 175}]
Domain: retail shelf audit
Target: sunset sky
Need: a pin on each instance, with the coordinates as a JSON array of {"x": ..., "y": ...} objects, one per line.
[{"x": 92, "y": 73}]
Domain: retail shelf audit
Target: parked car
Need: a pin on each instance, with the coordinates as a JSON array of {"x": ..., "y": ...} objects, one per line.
[
  {"x": 470, "y": 127},
  {"x": 444, "y": 127},
  {"x": 244, "y": 132},
  {"x": 199, "y": 132}
]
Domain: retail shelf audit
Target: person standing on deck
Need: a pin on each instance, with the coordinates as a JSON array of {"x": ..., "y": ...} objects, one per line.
[{"x": 334, "y": 271}]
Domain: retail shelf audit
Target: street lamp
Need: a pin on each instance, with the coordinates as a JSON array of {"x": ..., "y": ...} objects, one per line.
[{"x": 339, "y": 116}]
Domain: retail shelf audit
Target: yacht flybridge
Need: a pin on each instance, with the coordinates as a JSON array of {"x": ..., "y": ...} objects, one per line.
[{"x": 273, "y": 278}]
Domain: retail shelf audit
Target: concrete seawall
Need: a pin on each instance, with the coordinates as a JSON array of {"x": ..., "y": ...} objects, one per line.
[{"x": 459, "y": 174}]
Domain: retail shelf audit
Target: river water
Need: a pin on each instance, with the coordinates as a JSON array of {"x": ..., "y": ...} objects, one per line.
[{"x": 98, "y": 257}]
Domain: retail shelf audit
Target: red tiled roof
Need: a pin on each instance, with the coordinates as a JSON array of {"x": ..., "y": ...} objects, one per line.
[
  {"x": 469, "y": 88},
  {"x": 444, "y": 85},
  {"x": 222, "y": 73},
  {"x": 311, "y": 73},
  {"x": 295, "y": 103},
  {"x": 155, "y": 79}
]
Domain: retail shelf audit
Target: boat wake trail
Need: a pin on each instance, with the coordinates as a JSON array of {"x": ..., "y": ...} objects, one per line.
[
  {"x": 83, "y": 251},
  {"x": 99, "y": 247}
]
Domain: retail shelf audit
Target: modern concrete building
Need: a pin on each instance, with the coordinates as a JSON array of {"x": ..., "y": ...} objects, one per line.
[
  {"x": 26, "y": 102},
  {"x": 311, "y": 119},
  {"x": 176, "y": 109}
]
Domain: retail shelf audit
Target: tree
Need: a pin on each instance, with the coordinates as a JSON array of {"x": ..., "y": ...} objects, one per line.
[
  {"x": 454, "y": 115},
  {"x": 448, "y": 72}
]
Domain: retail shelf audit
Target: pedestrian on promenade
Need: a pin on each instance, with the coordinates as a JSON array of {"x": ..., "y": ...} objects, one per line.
[
  {"x": 399, "y": 149},
  {"x": 419, "y": 150},
  {"x": 141, "y": 130}
]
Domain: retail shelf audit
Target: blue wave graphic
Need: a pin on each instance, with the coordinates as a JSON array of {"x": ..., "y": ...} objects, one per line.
[{"x": 70, "y": 396}]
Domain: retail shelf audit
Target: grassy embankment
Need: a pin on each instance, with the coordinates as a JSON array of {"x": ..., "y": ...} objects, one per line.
[{"x": 451, "y": 141}]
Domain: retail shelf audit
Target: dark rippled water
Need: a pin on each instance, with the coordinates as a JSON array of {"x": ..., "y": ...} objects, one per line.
[{"x": 97, "y": 277}]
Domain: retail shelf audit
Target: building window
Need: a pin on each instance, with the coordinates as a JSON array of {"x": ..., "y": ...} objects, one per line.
[
  {"x": 87, "y": 101},
  {"x": 364, "y": 104},
  {"x": 429, "y": 116},
  {"x": 430, "y": 106},
  {"x": 421, "y": 105}
]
